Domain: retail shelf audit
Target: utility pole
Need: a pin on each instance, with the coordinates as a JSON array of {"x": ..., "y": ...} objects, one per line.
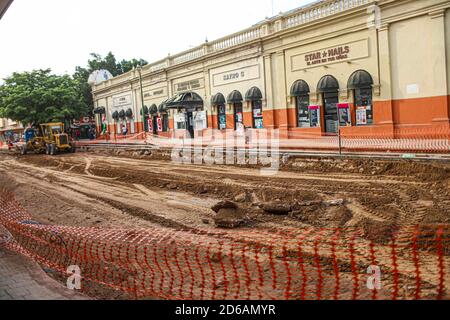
[{"x": 139, "y": 68}]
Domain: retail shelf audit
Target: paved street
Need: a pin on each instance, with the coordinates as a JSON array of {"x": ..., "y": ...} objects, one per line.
[{"x": 22, "y": 279}]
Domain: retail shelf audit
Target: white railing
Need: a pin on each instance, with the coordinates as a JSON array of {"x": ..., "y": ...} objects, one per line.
[
  {"x": 158, "y": 66},
  {"x": 321, "y": 10},
  {"x": 298, "y": 17},
  {"x": 234, "y": 40},
  {"x": 188, "y": 56}
]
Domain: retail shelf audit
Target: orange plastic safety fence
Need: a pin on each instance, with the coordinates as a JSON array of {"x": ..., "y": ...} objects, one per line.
[{"x": 313, "y": 264}]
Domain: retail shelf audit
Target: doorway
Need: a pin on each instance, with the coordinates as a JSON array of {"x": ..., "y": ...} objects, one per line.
[
  {"x": 155, "y": 125},
  {"x": 190, "y": 123},
  {"x": 238, "y": 116},
  {"x": 330, "y": 101}
]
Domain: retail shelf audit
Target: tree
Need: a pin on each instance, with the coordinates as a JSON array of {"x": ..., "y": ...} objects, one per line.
[
  {"x": 40, "y": 96},
  {"x": 97, "y": 62}
]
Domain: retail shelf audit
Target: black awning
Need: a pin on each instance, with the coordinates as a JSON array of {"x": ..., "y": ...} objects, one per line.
[
  {"x": 99, "y": 110},
  {"x": 153, "y": 109},
  {"x": 122, "y": 114},
  {"x": 299, "y": 88},
  {"x": 234, "y": 97},
  {"x": 129, "y": 113},
  {"x": 328, "y": 83},
  {"x": 186, "y": 100},
  {"x": 145, "y": 110},
  {"x": 253, "y": 94},
  {"x": 115, "y": 115},
  {"x": 360, "y": 79},
  {"x": 162, "y": 108},
  {"x": 217, "y": 99}
]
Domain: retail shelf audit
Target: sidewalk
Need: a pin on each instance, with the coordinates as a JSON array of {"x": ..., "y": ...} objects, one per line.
[
  {"x": 22, "y": 279},
  {"x": 306, "y": 143}
]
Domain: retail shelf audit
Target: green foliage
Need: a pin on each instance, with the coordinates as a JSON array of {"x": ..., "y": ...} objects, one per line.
[
  {"x": 97, "y": 62},
  {"x": 40, "y": 96}
]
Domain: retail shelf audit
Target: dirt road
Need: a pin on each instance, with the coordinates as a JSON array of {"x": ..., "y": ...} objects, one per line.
[{"x": 101, "y": 190}]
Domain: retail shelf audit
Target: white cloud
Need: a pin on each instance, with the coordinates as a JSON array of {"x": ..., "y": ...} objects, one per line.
[{"x": 60, "y": 34}]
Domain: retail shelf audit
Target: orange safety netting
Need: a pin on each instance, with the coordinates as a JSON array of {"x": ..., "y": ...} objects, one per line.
[{"x": 310, "y": 263}]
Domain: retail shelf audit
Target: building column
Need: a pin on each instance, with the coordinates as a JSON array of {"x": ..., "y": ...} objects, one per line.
[
  {"x": 281, "y": 116},
  {"x": 268, "y": 108},
  {"x": 383, "y": 106}
]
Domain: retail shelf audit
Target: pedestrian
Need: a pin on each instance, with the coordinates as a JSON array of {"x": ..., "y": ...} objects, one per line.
[{"x": 125, "y": 130}]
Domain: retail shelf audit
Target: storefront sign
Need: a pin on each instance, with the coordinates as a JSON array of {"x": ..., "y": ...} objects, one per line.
[
  {"x": 200, "y": 120},
  {"x": 361, "y": 116},
  {"x": 180, "y": 121},
  {"x": 344, "y": 52},
  {"x": 344, "y": 114},
  {"x": 189, "y": 85},
  {"x": 150, "y": 124},
  {"x": 159, "y": 123},
  {"x": 155, "y": 93},
  {"x": 237, "y": 75},
  {"x": 122, "y": 101},
  {"x": 314, "y": 112}
]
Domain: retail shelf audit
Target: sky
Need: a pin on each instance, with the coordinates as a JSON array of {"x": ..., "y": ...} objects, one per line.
[{"x": 60, "y": 34}]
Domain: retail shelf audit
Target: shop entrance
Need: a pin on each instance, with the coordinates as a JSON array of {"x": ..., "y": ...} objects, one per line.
[
  {"x": 155, "y": 125},
  {"x": 190, "y": 123},
  {"x": 238, "y": 116},
  {"x": 331, "y": 101}
]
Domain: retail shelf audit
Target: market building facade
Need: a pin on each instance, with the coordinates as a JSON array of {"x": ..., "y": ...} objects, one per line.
[{"x": 362, "y": 67}]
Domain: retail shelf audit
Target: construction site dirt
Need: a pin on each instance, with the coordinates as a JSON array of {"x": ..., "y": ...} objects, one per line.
[{"x": 119, "y": 189}]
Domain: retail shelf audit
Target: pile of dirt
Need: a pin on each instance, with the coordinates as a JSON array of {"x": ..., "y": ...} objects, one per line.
[
  {"x": 229, "y": 215},
  {"x": 426, "y": 171},
  {"x": 135, "y": 154},
  {"x": 322, "y": 215}
]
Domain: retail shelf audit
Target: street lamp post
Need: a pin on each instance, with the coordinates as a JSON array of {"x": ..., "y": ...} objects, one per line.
[{"x": 139, "y": 68}]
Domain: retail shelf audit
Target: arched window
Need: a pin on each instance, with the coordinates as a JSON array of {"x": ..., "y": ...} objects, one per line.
[
  {"x": 300, "y": 90},
  {"x": 218, "y": 100},
  {"x": 361, "y": 83},
  {"x": 235, "y": 99},
  {"x": 254, "y": 95},
  {"x": 328, "y": 86}
]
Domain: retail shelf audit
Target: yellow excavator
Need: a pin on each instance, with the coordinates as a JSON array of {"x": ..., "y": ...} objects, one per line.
[{"x": 49, "y": 138}]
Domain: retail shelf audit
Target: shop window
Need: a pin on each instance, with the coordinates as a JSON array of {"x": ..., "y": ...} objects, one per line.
[
  {"x": 303, "y": 112},
  {"x": 221, "y": 117},
  {"x": 363, "y": 106},
  {"x": 254, "y": 96},
  {"x": 238, "y": 116},
  {"x": 361, "y": 83},
  {"x": 257, "y": 113},
  {"x": 328, "y": 86},
  {"x": 165, "y": 122}
]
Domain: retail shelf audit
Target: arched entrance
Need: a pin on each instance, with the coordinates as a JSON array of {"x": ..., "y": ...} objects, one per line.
[
  {"x": 218, "y": 100},
  {"x": 360, "y": 82},
  {"x": 300, "y": 91},
  {"x": 235, "y": 99},
  {"x": 153, "y": 119},
  {"x": 329, "y": 88},
  {"x": 254, "y": 96},
  {"x": 145, "y": 116},
  {"x": 190, "y": 103}
]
